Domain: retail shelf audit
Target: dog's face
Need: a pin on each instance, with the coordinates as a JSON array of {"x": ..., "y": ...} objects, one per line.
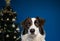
[{"x": 33, "y": 26}]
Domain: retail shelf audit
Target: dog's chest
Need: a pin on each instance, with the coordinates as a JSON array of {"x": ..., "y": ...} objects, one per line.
[
  {"x": 33, "y": 39},
  {"x": 38, "y": 38}
]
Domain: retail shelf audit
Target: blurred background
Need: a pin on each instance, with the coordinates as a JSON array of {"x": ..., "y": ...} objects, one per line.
[{"x": 47, "y": 9}]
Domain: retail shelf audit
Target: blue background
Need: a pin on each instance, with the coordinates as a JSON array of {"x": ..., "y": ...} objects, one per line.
[{"x": 47, "y": 9}]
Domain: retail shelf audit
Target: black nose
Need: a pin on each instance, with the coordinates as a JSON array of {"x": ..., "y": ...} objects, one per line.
[{"x": 32, "y": 30}]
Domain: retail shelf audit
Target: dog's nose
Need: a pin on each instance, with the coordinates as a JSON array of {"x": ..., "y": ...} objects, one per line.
[{"x": 32, "y": 30}]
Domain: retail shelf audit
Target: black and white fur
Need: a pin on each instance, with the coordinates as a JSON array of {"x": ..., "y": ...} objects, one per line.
[{"x": 33, "y": 29}]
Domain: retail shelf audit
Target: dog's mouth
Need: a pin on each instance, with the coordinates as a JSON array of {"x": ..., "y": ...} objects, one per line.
[{"x": 32, "y": 33}]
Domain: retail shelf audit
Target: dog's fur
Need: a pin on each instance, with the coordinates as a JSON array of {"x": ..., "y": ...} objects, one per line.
[{"x": 33, "y": 29}]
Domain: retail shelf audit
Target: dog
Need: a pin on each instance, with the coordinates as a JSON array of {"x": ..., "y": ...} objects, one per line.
[{"x": 33, "y": 29}]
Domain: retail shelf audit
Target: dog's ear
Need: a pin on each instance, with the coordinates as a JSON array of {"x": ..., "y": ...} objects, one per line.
[
  {"x": 41, "y": 21},
  {"x": 23, "y": 22}
]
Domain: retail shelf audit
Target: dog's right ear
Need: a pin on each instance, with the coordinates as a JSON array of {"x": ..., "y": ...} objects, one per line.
[{"x": 23, "y": 23}]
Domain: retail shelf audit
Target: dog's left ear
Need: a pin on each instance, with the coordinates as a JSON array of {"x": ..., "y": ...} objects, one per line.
[{"x": 41, "y": 21}]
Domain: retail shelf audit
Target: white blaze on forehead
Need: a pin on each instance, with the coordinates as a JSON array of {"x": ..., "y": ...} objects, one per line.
[
  {"x": 33, "y": 20},
  {"x": 33, "y": 25}
]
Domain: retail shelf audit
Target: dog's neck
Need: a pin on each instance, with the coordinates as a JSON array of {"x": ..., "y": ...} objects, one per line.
[{"x": 34, "y": 37}]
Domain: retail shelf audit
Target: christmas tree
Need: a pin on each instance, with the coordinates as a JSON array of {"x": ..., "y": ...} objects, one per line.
[{"x": 9, "y": 30}]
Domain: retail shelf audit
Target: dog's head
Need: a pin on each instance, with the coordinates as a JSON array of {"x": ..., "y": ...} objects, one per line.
[{"x": 33, "y": 26}]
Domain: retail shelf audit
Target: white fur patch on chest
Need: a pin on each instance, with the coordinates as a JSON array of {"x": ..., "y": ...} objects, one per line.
[{"x": 37, "y": 38}]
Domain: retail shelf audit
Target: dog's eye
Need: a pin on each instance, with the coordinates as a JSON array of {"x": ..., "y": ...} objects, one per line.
[
  {"x": 28, "y": 24},
  {"x": 36, "y": 22}
]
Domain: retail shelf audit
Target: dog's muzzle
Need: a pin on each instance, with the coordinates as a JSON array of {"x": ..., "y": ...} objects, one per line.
[{"x": 32, "y": 31}]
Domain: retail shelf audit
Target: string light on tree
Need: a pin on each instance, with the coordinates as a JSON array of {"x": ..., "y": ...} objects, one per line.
[
  {"x": 14, "y": 37},
  {"x": 7, "y": 19},
  {"x": 0, "y": 31},
  {"x": 13, "y": 19},
  {"x": 13, "y": 25},
  {"x": 0, "y": 26},
  {"x": 5, "y": 24},
  {"x": 17, "y": 29},
  {"x": 15, "y": 32},
  {"x": 2, "y": 19},
  {"x": 7, "y": 35}
]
